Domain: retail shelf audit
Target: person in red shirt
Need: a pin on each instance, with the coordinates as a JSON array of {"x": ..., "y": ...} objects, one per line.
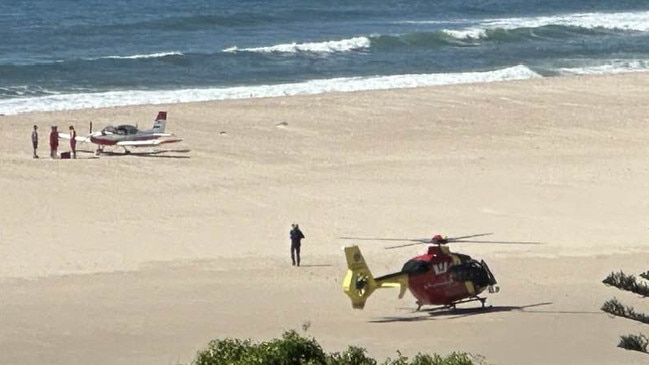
[
  {"x": 54, "y": 142},
  {"x": 73, "y": 142}
]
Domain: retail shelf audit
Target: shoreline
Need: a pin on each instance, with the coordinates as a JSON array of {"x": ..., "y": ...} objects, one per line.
[
  {"x": 263, "y": 92},
  {"x": 57, "y": 102}
]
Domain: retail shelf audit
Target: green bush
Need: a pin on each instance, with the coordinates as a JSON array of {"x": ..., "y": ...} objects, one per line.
[
  {"x": 628, "y": 283},
  {"x": 616, "y": 308},
  {"x": 634, "y": 342},
  {"x": 293, "y": 349},
  {"x": 425, "y": 359},
  {"x": 353, "y": 356},
  {"x": 227, "y": 351},
  {"x": 645, "y": 275},
  {"x": 290, "y": 349}
]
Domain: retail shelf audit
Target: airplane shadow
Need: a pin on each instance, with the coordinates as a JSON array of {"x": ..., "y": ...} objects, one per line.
[
  {"x": 155, "y": 154},
  {"x": 446, "y": 314}
]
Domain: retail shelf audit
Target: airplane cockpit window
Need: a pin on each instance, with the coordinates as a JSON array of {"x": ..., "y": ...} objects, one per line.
[
  {"x": 109, "y": 129},
  {"x": 126, "y": 129}
]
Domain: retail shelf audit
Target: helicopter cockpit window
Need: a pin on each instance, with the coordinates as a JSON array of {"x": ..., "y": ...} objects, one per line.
[
  {"x": 470, "y": 271},
  {"x": 416, "y": 267}
]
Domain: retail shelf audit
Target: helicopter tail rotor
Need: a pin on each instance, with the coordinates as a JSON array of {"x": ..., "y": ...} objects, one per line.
[{"x": 359, "y": 283}]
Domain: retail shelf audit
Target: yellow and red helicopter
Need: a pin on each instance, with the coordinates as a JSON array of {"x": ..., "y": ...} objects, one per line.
[{"x": 438, "y": 277}]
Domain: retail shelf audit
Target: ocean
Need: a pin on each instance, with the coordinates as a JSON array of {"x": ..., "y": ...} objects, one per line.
[{"x": 71, "y": 54}]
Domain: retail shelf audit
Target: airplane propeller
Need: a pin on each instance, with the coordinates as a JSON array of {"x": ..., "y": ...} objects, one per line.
[{"x": 439, "y": 239}]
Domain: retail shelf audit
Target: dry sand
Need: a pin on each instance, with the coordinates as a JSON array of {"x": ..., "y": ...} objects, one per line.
[{"x": 143, "y": 259}]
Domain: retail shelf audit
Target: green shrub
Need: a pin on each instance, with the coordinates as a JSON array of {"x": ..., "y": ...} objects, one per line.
[
  {"x": 425, "y": 359},
  {"x": 227, "y": 351},
  {"x": 616, "y": 308},
  {"x": 293, "y": 349},
  {"x": 634, "y": 342},
  {"x": 628, "y": 283},
  {"x": 353, "y": 356},
  {"x": 290, "y": 349}
]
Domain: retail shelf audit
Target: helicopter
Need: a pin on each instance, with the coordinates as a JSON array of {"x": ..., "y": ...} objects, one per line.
[{"x": 438, "y": 277}]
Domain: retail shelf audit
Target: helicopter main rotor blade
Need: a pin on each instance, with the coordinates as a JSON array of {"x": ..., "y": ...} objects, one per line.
[
  {"x": 376, "y": 239},
  {"x": 446, "y": 240},
  {"x": 505, "y": 242},
  {"x": 399, "y": 246},
  {"x": 424, "y": 240},
  {"x": 470, "y": 236}
]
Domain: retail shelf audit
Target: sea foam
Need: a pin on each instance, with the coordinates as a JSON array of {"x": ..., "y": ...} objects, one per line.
[
  {"x": 343, "y": 45},
  {"x": 630, "y": 21},
  {"x": 345, "y": 84}
]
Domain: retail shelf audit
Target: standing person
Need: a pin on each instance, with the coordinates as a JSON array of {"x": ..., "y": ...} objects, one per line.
[
  {"x": 54, "y": 142},
  {"x": 296, "y": 238},
  {"x": 73, "y": 142},
  {"x": 35, "y": 140}
]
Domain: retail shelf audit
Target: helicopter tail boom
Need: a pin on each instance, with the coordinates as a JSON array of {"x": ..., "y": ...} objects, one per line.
[{"x": 359, "y": 283}]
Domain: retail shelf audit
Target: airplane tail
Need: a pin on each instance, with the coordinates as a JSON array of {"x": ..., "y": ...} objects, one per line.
[
  {"x": 359, "y": 283},
  {"x": 160, "y": 123}
]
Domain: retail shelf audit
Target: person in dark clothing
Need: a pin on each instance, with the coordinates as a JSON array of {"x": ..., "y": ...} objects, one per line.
[
  {"x": 35, "y": 140},
  {"x": 296, "y": 238}
]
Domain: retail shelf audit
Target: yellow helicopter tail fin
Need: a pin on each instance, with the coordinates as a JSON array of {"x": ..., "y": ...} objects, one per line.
[{"x": 359, "y": 283}]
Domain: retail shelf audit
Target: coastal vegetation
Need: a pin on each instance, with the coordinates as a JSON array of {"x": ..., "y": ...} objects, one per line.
[
  {"x": 293, "y": 349},
  {"x": 613, "y": 306}
]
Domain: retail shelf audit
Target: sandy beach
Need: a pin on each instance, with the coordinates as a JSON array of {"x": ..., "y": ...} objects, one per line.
[{"x": 144, "y": 258}]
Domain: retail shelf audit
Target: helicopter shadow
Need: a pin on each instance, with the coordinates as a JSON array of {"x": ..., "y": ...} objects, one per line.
[{"x": 455, "y": 313}]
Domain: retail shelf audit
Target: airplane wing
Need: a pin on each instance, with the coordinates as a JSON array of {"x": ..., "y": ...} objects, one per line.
[
  {"x": 150, "y": 142},
  {"x": 77, "y": 138}
]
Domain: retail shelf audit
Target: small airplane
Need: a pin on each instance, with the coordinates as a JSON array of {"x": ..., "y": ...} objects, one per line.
[
  {"x": 126, "y": 135},
  {"x": 438, "y": 277}
]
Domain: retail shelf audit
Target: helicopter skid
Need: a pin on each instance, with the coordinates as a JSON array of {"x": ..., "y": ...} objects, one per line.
[{"x": 454, "y": 304}]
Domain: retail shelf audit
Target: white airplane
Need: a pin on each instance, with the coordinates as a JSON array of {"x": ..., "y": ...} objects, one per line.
[{"x": 126, "y": 135}]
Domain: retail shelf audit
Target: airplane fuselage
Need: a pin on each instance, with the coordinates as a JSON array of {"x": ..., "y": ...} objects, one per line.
[
  {"x": 110, "y": 139},
  {"x": 111, "y": 136}
]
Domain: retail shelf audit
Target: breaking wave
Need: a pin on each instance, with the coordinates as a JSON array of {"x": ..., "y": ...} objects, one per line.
[
  {"x": 141, "y": 56},
  {"x": 622, "y": 21},
  {"x": 460, "y": 34},
  {"x": 607, "y": 67},
  {"x": 345, "y": 45},
  {"x": 344, "y": 84}
]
